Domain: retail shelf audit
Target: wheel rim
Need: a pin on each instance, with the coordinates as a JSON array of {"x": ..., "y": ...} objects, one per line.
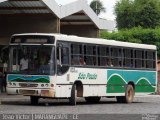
[
  {"x": 75, "y": 96},
  {"x": 75, "y": 93},
  {"x": 130, "y": 95}
]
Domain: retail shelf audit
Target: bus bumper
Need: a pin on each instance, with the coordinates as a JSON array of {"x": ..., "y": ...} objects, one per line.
[{"x": 31, "y": 92}]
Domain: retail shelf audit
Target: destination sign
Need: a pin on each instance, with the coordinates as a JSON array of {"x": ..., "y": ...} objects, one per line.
[{"x": 33, "y": 39}]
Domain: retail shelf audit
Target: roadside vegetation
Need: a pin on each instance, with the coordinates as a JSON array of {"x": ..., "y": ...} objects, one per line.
[{"x": 135, "y": 35}]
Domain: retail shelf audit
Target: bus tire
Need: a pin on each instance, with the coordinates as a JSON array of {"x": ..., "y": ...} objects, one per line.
[
  {"x": 34, "y": 100},
  {"x": 73, "y": 97},
  {"x": 129, "y": 95},
  {"x": 92, "y": 99}
]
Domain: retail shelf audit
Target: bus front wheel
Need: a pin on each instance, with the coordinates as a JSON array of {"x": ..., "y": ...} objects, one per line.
[
  {"x": 34, "y": 100},
  {"x": 73, "y": 97},
  {"x": 129, "y": 95}
]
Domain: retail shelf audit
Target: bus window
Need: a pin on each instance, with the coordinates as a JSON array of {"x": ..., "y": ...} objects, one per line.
[
  {"x": 38, "y": 58},
  {"x": 103, "y": 59},
  {"x": 143, "y": 59},
  {"x": 90, "y": 56},
  {"x": 138, "y": 58},
  {"x": 74, "y": 59},
  {"x": 65, "y": 56},
  {"x": 76, "y": 53},
  {"x": 150, "y": 59},
  {"x": 128, "y": 58},
  {"x": 62, "y": 58},
  {"x": 116, "y": 55}
]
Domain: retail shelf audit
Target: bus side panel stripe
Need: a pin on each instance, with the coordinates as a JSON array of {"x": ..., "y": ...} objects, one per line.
[{"x": 144, "y": 81}]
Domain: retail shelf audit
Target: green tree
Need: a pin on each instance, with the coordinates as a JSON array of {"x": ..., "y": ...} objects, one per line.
[
  {"x": 124, "y": 12},
  {"x": 136, "y": 35},
  {"x": 97, "y": 6},
  {"x": 135, "y": 13}
]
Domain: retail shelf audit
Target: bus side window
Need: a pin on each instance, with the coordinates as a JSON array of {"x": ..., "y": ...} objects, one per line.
[
  {"x": 62, "y": 58},
  {"x": 150, "y": 59},
  {"x": 65, "y": 56},
  {"x": 115, "y": 56},
  {"x": 77, "y": 54},
  {"x": 128, "y": 58},
  {"x": 138, "y": 60},
  {"x": 90, "y": 55}
]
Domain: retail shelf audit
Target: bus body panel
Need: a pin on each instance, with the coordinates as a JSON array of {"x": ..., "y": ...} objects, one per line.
[
  {"x": 36, "y": 85},
  {"x": 144, "y": 81},
  {"x": 103, "y": 82},
  {"x": 96, "y": 82}
]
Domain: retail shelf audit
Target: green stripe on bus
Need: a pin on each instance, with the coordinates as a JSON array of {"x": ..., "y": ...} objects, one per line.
[{"x": 116, "y": 84}]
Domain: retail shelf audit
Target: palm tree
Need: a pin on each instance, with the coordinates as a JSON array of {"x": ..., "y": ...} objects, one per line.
[{"x": 97, "y": 6}]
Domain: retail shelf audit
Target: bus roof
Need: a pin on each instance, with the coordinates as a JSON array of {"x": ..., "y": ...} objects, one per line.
[{"x": 93, "y": 40}]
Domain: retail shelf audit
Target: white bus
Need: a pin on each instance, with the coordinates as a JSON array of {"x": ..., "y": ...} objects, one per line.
[{"x": 62, "y": 66}]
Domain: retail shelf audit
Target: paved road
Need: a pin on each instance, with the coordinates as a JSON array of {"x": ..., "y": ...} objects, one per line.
[{"x": 148, "y": 106}]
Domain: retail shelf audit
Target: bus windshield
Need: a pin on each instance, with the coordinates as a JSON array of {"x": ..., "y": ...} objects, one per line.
[{"x": 32, "y": 59}]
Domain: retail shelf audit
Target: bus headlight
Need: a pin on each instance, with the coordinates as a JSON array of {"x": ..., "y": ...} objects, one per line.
[
  {"x": 46, "y": 85},
  {"x": 10, "y": 83},
  {"x": 42, "y": 85},
  {"x": 52, "y": 85}
]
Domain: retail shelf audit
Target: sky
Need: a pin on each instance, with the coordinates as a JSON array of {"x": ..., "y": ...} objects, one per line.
[{"x": 108, "y": 4}]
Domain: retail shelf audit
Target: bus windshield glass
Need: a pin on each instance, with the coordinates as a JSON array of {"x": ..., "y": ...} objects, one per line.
[{"x": 32, "y": 59}]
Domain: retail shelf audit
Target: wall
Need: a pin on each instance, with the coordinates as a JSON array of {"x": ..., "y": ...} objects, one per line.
[
  {"x": 80, "y": 30},
  {"x": 27, "y": 24}
]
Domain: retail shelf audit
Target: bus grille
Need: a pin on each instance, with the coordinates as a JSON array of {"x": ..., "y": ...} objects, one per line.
[
  {"x": 27, "y": 85},
  {"x": 27, "y": 92}
]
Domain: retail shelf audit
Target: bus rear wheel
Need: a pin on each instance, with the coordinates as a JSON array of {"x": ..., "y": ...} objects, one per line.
[
  {"x": 92, "y": 99},
  {"x": 129, "y": 95},
  {"x": 73, "y": 97},
  {"x": 34, "y": 100}
]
